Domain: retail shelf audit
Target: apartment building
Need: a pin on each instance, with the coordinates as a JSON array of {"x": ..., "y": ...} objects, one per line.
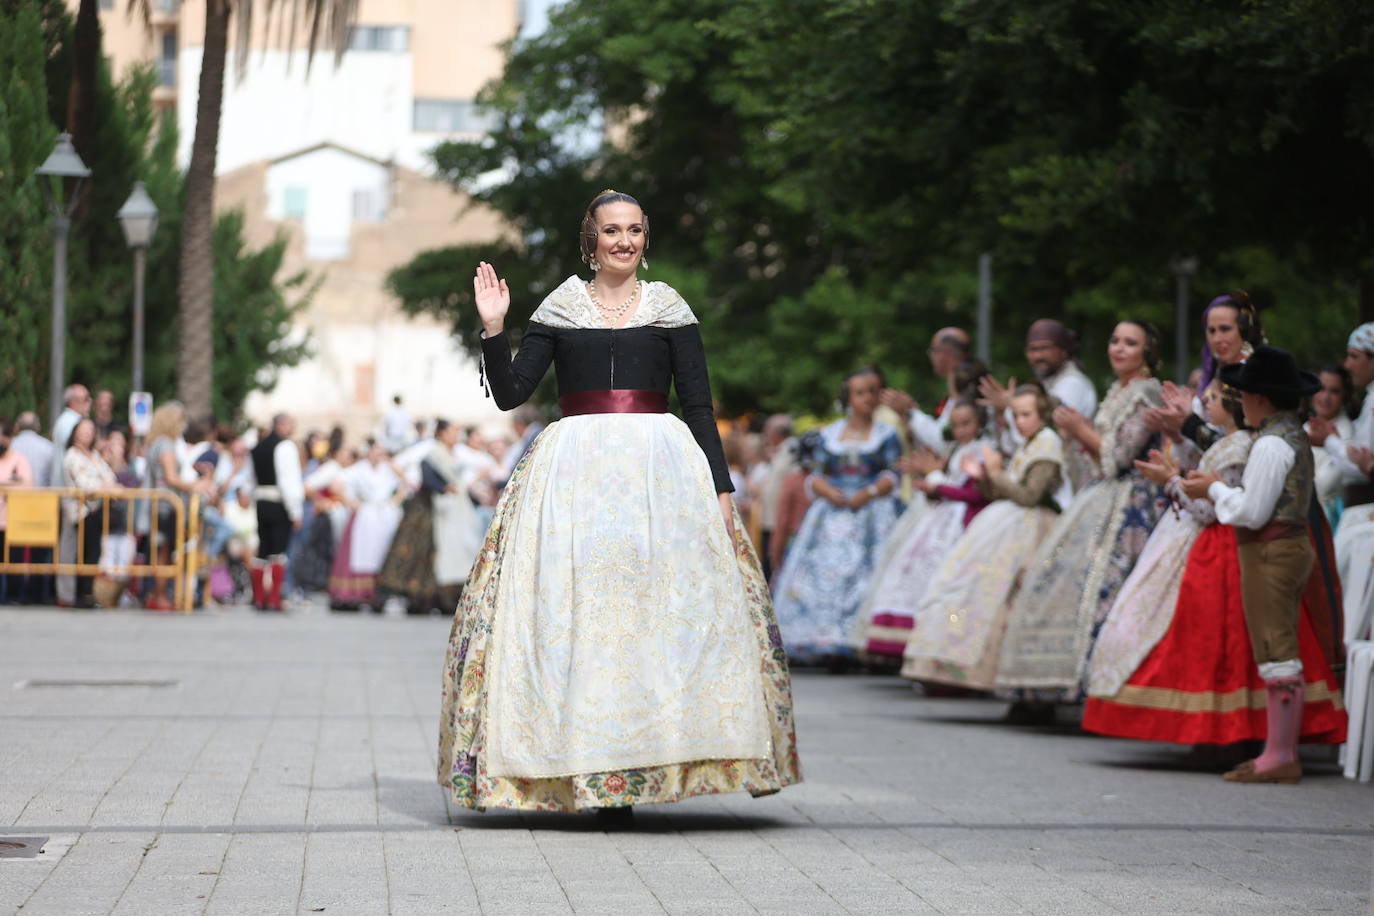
[{"x": 334, "y": 154}]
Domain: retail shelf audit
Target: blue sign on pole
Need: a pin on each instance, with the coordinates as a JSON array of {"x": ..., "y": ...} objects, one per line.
[{"x": 140, "y": 413}]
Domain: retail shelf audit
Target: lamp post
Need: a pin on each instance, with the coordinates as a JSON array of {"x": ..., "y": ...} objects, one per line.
[
  {"x": 62, "y": 163},
  {"x": 138, "y": 217},
  {"x": 1182, "y": 268}
]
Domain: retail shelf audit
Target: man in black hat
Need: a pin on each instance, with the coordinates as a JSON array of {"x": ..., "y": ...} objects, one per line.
[{"x": 1270, "y": 512}]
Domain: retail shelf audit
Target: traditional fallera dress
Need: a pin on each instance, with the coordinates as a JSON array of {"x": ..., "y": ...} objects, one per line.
[
  {"x": 612, "y": 646},
  {"x": 828, "y": 567},
  {"x": 1197, "y": 681},
  {"x": 885, "y": 618},
  {"x": 437, "y": 538},
  {"x": 1144, "y": 607},
  {"x": 1074, "y": 578},
  {"x": 957, "y": 635},
  {"x": 367, "y": 535}
]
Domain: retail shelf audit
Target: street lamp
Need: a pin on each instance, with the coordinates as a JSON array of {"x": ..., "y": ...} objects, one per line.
[
  {"x": 1182, "y": 268},
  {"x": 62, "y": 163},
  {"x": 138, "y": 217}
]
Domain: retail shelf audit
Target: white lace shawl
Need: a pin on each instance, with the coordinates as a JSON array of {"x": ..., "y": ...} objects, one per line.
[{"x": 570, "y": 306}]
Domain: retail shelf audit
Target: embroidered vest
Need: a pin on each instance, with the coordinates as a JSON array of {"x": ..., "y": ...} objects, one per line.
[{"x": 1298, "y": 486}]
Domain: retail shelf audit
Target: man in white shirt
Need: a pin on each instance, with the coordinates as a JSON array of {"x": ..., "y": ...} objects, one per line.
[
  {"x": 280, "y": 495},
  {"x": 1269, "y": 511},
  {"x": 949, "y": 349},
  {"x": 1050, "y": 350},
  {"x": 77, "y": 399}
]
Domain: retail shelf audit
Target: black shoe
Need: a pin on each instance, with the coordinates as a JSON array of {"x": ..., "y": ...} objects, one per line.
[
  {"x": 621, "y": 818},
  {"x": 1031, "y": 713}
]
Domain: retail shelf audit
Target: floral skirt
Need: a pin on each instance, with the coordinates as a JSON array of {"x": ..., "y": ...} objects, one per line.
[
  {"x": 612, "y": 647},
  {"x": 826, "y": 576},
  {"x": 957, "y": 637},
  {"x": 346, "y": 584},
  {"x": 1070, "y": 586},
  {"x": 887, "y": 615},
  {"x": 409, "y": 566},
  {"x": 1200, "y": 684}
]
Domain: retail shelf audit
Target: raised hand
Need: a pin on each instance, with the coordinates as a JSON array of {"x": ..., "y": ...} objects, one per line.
[
  {"x": 994, "y": 395},
  {"x": 493, "y": 298},
  {"x": 1196, "y": 484},
  {"x": 1159, "y": 469},
  {"x": 1319, "y": 430},
  {"x": 992, "y": 460},
  {"x": 973, "y": 467},
  {"x": 1178, "y": 397},
  {"x": 898, "y": 401}
]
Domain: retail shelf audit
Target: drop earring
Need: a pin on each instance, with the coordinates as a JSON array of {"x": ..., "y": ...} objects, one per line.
[
  {"x": 644, "y": 262},
  {"x": 594, "y": 264}
]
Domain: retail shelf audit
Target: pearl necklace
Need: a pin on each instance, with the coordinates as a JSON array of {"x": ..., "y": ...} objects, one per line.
[{"x": 613, "y": 313}]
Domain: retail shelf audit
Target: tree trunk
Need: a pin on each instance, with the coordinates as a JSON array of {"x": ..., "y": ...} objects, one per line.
[{"x": 196, "y": 284}]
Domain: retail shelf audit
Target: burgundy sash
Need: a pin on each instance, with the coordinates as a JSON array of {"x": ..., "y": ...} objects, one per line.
[{"x": 616, "y": 400}]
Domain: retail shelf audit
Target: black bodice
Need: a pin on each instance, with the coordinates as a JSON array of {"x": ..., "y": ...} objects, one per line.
[{"x": 597, "y": 359}]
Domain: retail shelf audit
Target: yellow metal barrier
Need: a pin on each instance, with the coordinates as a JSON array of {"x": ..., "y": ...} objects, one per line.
[{"x": 36, "y": 516}]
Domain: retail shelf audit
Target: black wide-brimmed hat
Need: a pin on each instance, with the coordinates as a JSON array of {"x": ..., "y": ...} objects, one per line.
[{"x": 1271, "y": 371}]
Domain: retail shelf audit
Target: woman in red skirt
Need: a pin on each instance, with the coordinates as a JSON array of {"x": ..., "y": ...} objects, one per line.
[{"x": 1200, "y": 684}]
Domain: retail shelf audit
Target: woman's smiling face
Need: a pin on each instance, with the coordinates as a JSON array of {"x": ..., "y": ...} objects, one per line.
[{"x": 620, "y": 236}]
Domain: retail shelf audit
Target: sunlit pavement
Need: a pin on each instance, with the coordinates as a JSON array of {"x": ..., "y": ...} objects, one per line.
[{"x": 234, "y": 762}]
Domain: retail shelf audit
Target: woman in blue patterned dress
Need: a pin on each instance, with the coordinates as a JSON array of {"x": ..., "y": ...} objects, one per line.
[{"x": 825, "y": 575}]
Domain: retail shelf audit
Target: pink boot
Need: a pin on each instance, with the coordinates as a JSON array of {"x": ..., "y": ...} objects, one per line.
[{"x": 1278, "y": 762}]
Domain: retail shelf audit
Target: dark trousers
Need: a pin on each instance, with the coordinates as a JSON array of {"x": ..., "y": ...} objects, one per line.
[
  {"x": 90, "y": 551},
  {"x": 22, "y": 588}
]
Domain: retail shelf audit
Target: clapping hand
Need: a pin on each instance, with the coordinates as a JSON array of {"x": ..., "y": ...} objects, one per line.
[
  {"x": 973, "y": 467},
  {"x": 1177, "y": 397},
  {"x": 1319, "y": 430},
  {"x": 1196, "y": 484},
  {"x": 1069, "y": 421},
  {"x": 1159, "y": 468},
  {"x": 1363, "y": 458},
  {"x": 995, "y": 395},
  {"x": 898, "y": 401},
  {"x": 920, "y": 463},
  {"x": 992, "y": 460},
  {"x": 492, "y": 297}
]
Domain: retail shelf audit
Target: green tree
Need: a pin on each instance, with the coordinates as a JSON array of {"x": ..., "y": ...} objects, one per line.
[
  {"x": 327, "y": 22},
  {"x": 126, "y": 142},
  {"x": 823, "y": 174},
  {"x": 26, "y": 136}
]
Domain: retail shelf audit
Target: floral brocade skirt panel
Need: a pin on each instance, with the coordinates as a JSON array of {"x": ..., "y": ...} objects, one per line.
[
  {"x": 897, "y": 590},
  {"x": 957, "y": 637},
  {"x": 612, "y": 647},
  {"x": 1071, "y": 585},
  {"x": 826, "y": 576},
  {"x": 1200, "y": 684},
  {"x": 409, "y": 566}
]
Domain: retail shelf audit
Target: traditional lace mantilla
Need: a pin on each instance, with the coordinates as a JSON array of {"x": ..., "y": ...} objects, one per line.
[{"x": 570, "y": 306}]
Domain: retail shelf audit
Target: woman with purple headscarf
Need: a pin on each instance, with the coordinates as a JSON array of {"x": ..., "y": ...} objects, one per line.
[{"x": 1231, "y": 330}]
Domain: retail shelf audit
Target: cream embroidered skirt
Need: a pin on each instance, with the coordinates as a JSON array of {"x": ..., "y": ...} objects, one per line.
[{"x": 612, "y": 647}]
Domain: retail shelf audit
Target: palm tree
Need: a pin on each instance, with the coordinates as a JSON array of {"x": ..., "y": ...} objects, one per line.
[{"x": 328, "y": 22}]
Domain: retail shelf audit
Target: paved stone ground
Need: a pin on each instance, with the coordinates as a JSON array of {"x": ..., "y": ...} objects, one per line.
[{"x": 289, "y": 769}]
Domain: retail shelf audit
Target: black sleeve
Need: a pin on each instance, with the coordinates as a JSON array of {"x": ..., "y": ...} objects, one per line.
[
  {"x": 512, "y": 381},
  {"x": 694, "y": 393},
  {"x": 432, "y": 479},
  {"x": 1201, "y": 434}
]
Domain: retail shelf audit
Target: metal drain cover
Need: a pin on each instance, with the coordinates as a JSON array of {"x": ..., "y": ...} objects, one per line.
[
  {"x": 21, "y": 847},
  {"x": 95, "y": 682}
]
